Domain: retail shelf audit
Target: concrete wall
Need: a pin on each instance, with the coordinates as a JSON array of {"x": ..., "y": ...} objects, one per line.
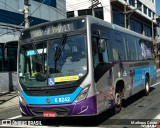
[
  {"x": 43, "y": 12},
  {"x": 48, "y": 12},
  {"x": 7, "y": 81},
  {"x": 151, "y": 5}
]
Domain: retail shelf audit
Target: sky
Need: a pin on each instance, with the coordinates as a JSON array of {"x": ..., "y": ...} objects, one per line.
[{"x": 158, "y": 7}]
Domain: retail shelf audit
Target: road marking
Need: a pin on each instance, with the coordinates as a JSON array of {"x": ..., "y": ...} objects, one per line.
[
  {"x": 157, "y": 117},
  {"x": 155, "y": 84},
  {"x": 15, "y": 117}
]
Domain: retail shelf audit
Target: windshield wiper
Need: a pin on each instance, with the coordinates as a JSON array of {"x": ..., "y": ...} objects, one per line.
[
  {"x": 40, "y": 76},
  {"x": 59, "y": 50}
]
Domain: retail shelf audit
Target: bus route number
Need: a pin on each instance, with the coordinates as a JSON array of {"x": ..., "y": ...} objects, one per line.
[{"x": 62, "y": 100}]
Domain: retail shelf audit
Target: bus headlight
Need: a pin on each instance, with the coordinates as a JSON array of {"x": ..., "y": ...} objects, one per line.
[
  {"x": 21, "y": 99},
  {"x": 83, "y": 94}
]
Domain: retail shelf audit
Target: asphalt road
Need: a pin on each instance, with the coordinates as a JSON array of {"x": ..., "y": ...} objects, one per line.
[{"x": 137, "y": 108}]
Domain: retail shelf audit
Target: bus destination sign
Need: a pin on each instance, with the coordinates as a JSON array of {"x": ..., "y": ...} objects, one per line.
[
  {"x": 61, "y": 27},
  {"x": 51, "y": 30}
]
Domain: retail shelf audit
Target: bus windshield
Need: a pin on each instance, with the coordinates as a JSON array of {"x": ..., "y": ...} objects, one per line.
[{"x": 61, "y": 60}]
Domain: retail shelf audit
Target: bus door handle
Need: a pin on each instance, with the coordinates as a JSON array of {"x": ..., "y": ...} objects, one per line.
[{"x": 132, "y": 73}]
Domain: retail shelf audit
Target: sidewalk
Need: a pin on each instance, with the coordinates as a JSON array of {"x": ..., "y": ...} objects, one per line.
[{"x": 6, "y": 96}]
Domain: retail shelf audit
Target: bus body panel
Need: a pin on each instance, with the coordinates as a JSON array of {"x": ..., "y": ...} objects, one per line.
[
  {"x": 101, "y": 92},
  {"x": 83, "y": 108}
]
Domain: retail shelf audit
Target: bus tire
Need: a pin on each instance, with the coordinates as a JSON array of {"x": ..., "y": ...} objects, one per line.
[
  {"x": 118, "y": 101},
  {"x": 147, "y": 86}
]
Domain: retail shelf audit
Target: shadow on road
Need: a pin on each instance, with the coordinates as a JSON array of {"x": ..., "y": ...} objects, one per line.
[
  {"x": 135, "y": 97},
  {"x": 77, "y": 121}
]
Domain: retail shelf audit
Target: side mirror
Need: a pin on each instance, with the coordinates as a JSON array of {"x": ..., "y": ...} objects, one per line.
[{"x": 102, "y": 45}]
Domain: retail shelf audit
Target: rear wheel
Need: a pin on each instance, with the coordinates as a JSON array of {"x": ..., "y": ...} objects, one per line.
[
  {"x": 118, "y": 101},
  {"x": 147, "y": 86}
]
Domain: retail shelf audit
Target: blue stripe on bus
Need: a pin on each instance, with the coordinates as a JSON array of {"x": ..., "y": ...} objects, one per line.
[
  {"x": 140, "y": 73},
  {"x": 60, "y": 99}
]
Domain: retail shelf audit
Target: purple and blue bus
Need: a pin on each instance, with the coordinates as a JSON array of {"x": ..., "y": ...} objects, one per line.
[{"x": 81, "y": 67}]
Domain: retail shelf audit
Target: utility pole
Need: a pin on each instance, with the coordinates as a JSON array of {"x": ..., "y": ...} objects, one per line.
[
  {"x": 92, "y": 8},
  {"x": 26, "y": 13}
]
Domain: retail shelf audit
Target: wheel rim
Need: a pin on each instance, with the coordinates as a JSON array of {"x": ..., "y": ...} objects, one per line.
[{"x": 118, "y": 99}]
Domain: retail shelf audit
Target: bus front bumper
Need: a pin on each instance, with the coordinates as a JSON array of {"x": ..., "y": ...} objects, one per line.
[{"x": 83, "y": 108}]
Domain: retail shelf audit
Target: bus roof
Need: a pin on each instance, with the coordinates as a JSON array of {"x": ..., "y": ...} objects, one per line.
[{"x": 92, "y": 20}]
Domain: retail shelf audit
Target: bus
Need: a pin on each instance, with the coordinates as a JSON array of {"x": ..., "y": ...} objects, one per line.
[{"x": 81, "y": 66}]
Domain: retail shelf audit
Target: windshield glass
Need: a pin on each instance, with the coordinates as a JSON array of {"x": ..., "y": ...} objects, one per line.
[{"x": 40, "y": 66}]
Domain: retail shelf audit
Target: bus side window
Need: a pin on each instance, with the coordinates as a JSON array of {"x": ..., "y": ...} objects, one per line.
[
  {"x": 105, "y": 51},
  {"x": 132, "y": 49},
  {"x": 95, "y": 51},
  {"x": 115, "y": 54},
  {"x": 118, "y": 46}
]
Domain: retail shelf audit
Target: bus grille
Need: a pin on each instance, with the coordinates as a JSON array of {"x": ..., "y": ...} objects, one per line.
[
  {"x": 50, "y": 92},
  {"x": 58, "y": 111}
]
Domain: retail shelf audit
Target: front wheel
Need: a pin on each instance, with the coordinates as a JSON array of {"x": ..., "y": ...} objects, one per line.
[
  {"x": 147, "y": 87},
  {"x": 118, "y": 101}
]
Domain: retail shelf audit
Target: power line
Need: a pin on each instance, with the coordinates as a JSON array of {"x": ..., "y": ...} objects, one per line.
[
  {"x": 6, "y": 33},
  {"x": 10, "y": 18},
  {"x": 63, "y": 14},
  {"x": 80, "y": 4},
  {"x": 15, "y": 27},
  {"x": 10, "y": 7},
  {"x": 38, "y": 7}
]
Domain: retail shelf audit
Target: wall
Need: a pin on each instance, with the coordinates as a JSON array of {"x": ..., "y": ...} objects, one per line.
[
  {"x": 7, "y": 81},
  {"x": 75, "y": 5}
]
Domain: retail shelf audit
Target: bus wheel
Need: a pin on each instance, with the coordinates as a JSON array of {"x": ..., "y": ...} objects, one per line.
[
  {"x": 147, "y": 86},
  {"x": 118, "y": 101}
]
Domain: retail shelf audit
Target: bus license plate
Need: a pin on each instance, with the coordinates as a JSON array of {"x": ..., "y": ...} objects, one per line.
[{"x": 49, "y": 114}]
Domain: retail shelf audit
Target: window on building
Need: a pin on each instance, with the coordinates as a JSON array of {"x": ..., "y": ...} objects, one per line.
[
  {"x": 149, "y": 12},
  {"x": 11, "y": 57},
  {"x": 8, "y": 56},
  {"x": 70, "y": 14},
  {"x": 99, "y": 12},
  {"x": 153, "y": 15},
  {"x": 145, "y": 9},
  {"x": 85, "y": 12},
  {"x": 48, "y": 2},
  {"x": 139, "y": 5},
  {"x": 132, "y": 2},
  {"x": 136, "y": 26},
  {"x": 147, "y": 31},
  {"x": 118, "y": 18}
]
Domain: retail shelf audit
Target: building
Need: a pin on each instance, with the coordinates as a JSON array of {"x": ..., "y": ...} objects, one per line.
[
  {"x": 158, "y": 42},
  {"x": 136, "y": 15},
  {"x": 12, "y": 21}
]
